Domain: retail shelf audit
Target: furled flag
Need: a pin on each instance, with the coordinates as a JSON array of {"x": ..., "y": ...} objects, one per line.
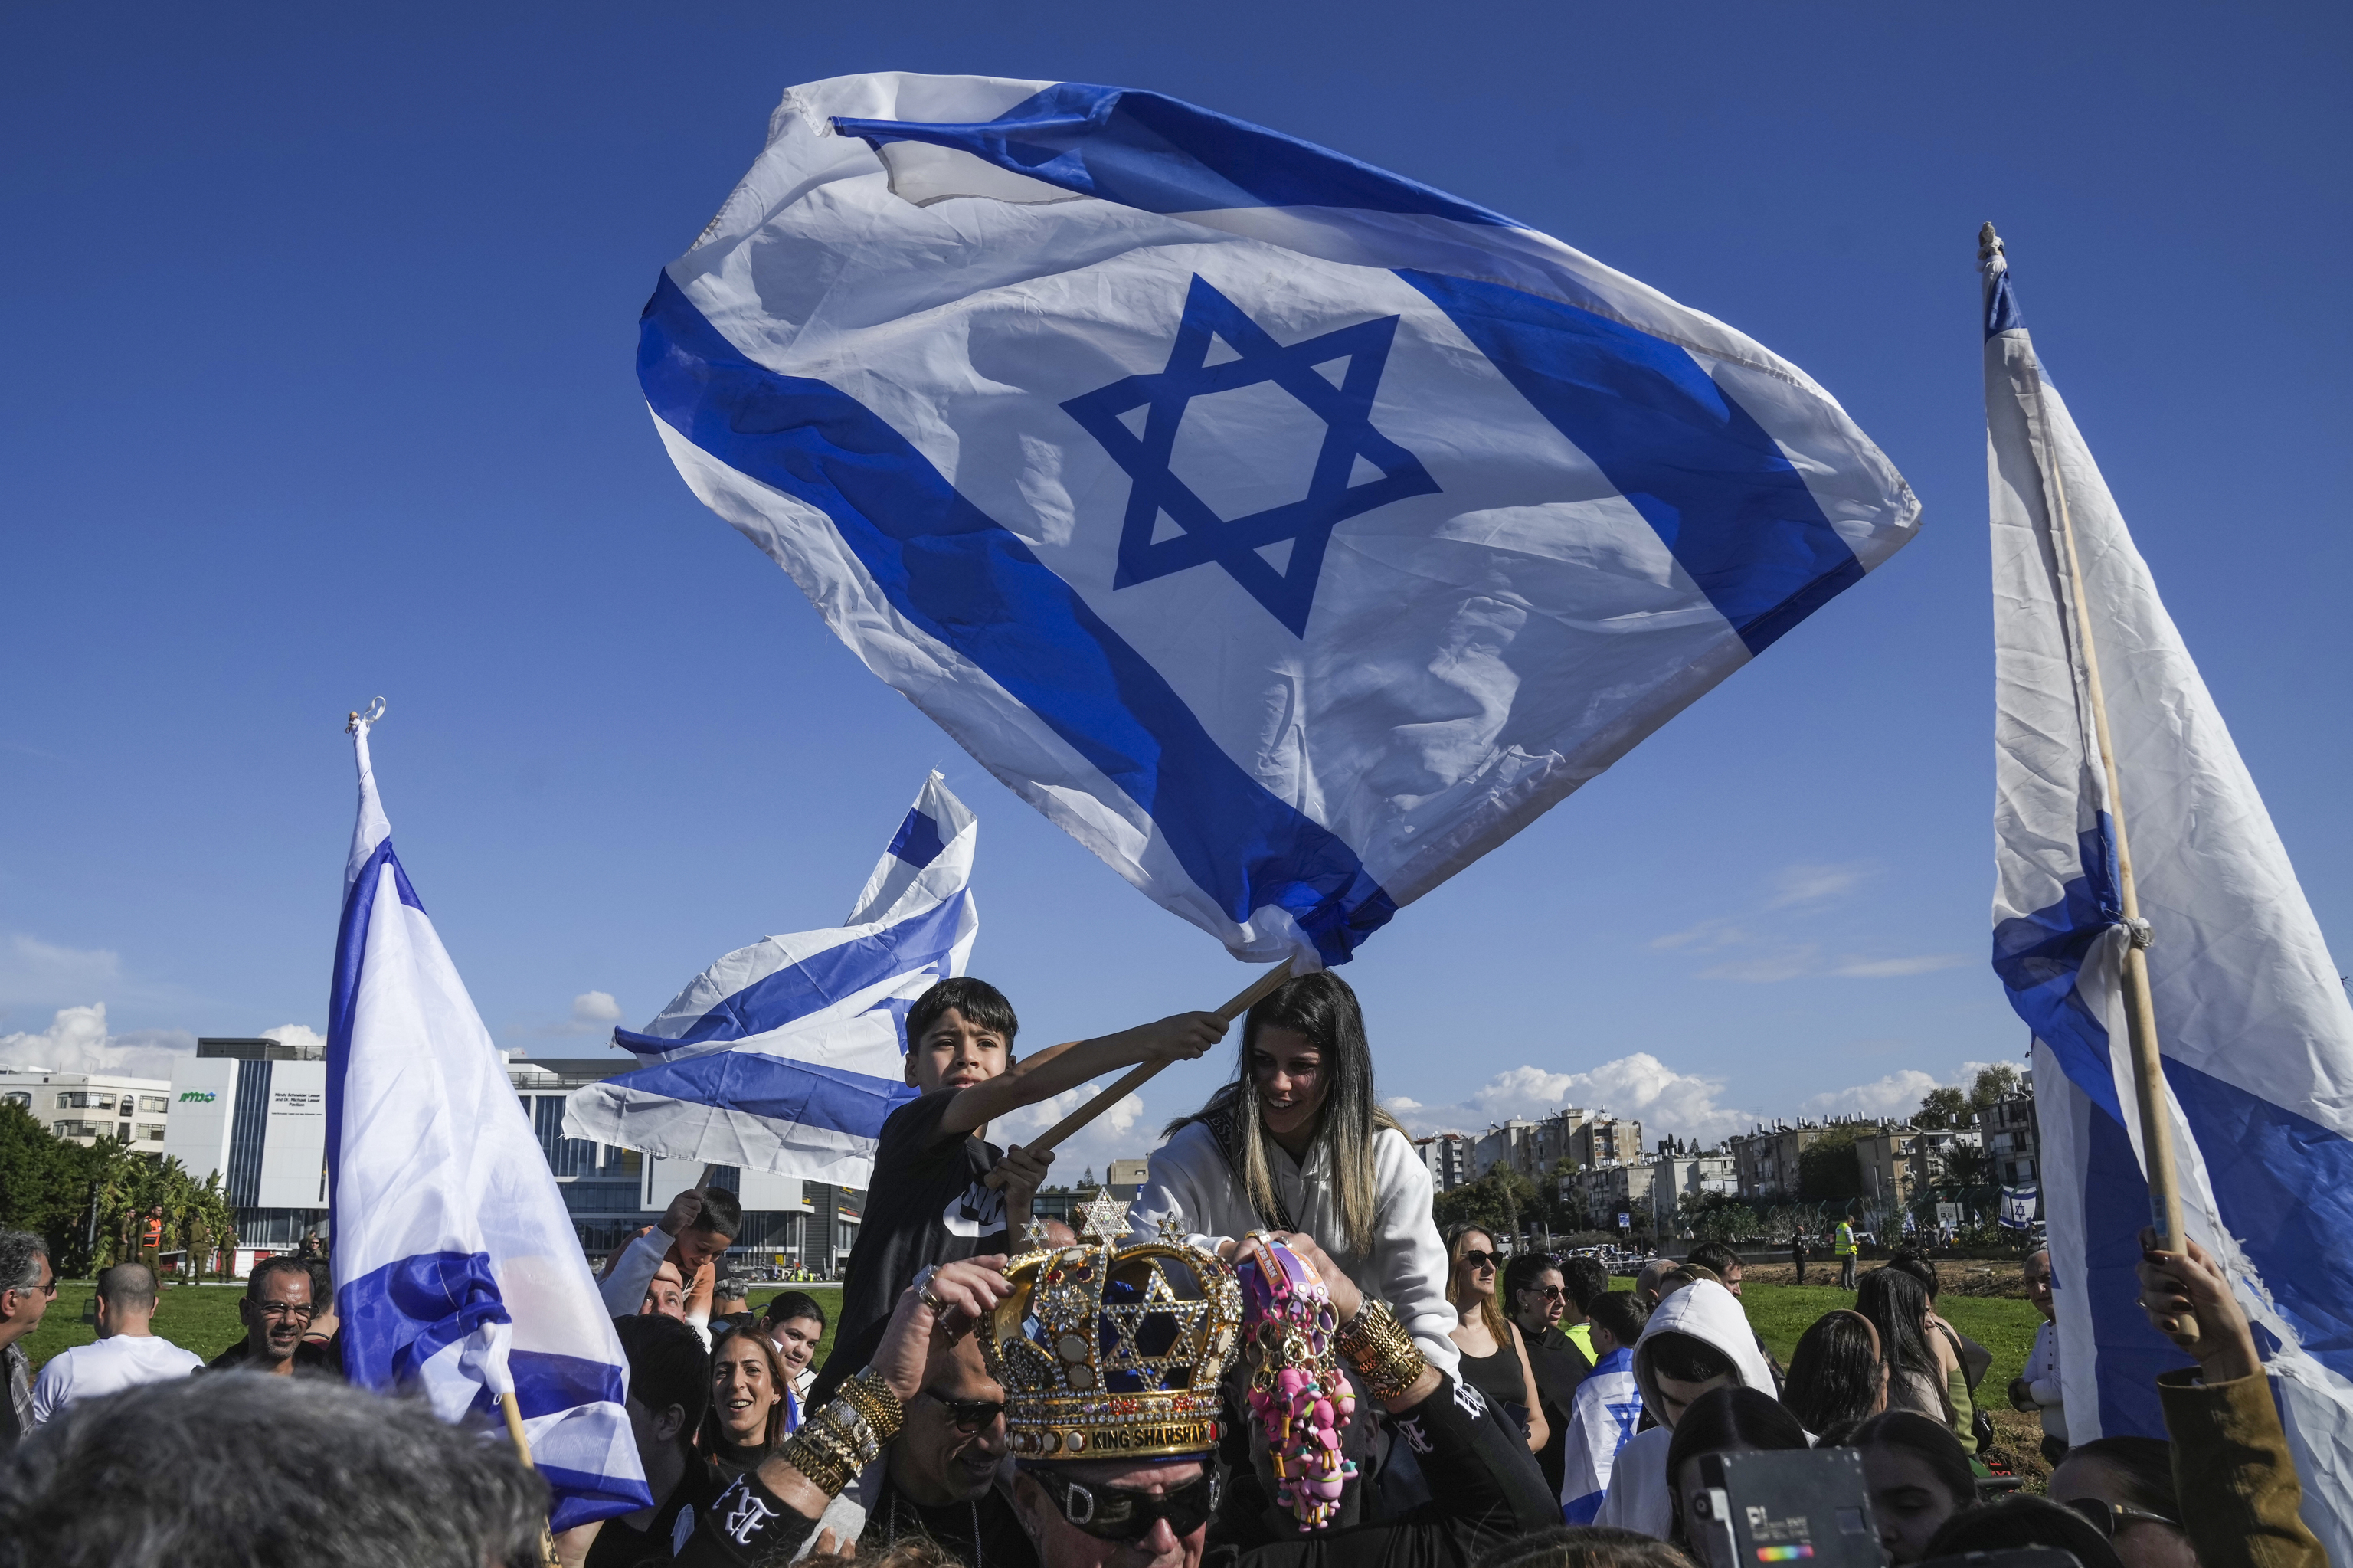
[
  {"x": 459, "y": 1269},
  {"x": 1290, "y": 533},
  {"x": 2256, "y": 1033},
  {"x": 786, "y": 1056}
]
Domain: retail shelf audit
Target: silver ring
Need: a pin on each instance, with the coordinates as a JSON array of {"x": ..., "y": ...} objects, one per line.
[{"x": 930, "y": 1298}]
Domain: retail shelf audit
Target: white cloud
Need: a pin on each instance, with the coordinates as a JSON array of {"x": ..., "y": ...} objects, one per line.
[
  {"x": 594, "y": 1007},
  {"x": 299, "y": 1034},
  {"x": 1812, "y": 884},
  {"x": 36, "y": 973},
  {"x": 1898, "y": 1093},
  {"x": 1767, "y": 968},
  {"x": 1640, "y": 1086},
  {"x": 77, "y": 1042}
]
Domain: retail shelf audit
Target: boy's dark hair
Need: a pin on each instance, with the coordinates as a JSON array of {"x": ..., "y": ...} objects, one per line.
[
  {"x": 982, "y": 1004},
  {"x": 1584, "y": 1546},
  {"x": 2146, "y": 1465},
  {"x": 1686, "y": 1358},
  {"x": 786, "y": 1305},
  {"x": 2023, "y": 1521},
  {"x": 723, "y": 1212},
  {"x": 1715, "y": 1257},
  {"x": 1585, "y": 1278},
  {"x": 1622, "y": 1313},
  {"x": 668, "y": 1365}
]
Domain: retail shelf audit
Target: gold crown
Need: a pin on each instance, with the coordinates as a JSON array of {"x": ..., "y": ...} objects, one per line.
[{"x": 1113, "y": 1352}]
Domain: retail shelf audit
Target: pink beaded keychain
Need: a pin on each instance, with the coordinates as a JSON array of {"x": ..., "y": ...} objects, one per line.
[{"x": 1298, "y": 1392}]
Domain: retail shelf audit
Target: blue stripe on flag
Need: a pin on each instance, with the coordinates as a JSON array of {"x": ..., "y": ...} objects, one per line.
[
  {"x": 919, "y": 842},
  {"x": 398, "y": 1318},
  {"x": 546, "y": 1382},
  {"x": 2284, "y": 1184},
  {"x": 2116, "y": 1207},
  {"x": 820, "y": 979},
  {"x": 351, "y": 957},
  {"x": 2039, "y": 956},
  {"x": 1702, "y": 473},
  {"x": 1161, "y": 155},
  {"x": 583, "y": 1496},
  {"x": 972, "y": 584},
  {"x": 781, "y": 1090}
]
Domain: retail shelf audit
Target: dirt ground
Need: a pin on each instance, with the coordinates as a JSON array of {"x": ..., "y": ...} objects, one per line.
[{"x": 1958, "y": 1276}]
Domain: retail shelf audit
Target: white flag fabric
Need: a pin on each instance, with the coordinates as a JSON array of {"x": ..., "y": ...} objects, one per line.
[
  {"x": 2256, "y": 1033},
  {"x": 459, "y": 1269},
  {"x": 786, "y": 1056},
  {"x": 1289, "y": 533}
]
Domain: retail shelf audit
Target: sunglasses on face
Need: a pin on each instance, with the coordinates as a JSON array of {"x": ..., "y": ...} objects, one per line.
[
  {"x": 969, "y": 1415},
  {"x": 1549, "y": 1292},
  {"x": 1114, "y": 1513},
  {"x": 2113, "y": 1520},
  {"x": 1480, "y": 1259}
]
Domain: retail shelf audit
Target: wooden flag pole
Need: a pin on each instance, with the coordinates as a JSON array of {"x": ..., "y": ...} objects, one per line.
[
  {"x": 522, "y": 1441},
  {"x": 2140, "y": 1008},
  {"x": 1250, "y": 995}
]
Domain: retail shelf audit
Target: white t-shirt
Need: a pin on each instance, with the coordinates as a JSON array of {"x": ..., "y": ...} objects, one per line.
[{"x": 107, "y": 1366}]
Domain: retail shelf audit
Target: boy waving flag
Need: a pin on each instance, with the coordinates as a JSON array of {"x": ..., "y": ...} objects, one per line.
[{"x": 461, "y": 1274}]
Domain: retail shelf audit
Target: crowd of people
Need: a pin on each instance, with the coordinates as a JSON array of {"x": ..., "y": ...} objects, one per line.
[{"x": 1277, "y": 1306}]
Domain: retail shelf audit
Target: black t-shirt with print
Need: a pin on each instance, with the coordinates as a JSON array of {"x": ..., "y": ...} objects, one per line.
[
  {"x": 713, "y": 1516},
  {"x": 927, "y": 1206}
]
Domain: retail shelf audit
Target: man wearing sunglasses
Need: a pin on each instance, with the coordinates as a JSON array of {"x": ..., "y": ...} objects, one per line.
[
  {"x": 27, "y": 1288},
  {"x": 939, "y": 1475}
]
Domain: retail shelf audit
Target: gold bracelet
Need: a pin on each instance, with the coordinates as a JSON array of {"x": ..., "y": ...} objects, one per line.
[
  {"x": 836, "y": 1443},
  {"x": 1380, "y": 1350},
  {"x": 873, "y": 1397}
]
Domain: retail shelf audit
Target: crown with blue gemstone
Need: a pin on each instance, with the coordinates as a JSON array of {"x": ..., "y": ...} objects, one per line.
[{"x": 1115, "y": 1353}]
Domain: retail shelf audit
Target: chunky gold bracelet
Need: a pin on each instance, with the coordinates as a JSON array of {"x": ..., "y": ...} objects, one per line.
[
  {"x": 838, "y": 1441},
  {"x": 1380, "y": 1350}
]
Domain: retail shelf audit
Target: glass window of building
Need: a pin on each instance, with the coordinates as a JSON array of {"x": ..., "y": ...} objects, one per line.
[{"x": 154, "y": 1102}]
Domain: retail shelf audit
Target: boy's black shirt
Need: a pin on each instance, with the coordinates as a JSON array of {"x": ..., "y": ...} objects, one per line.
[{"x": 927, "y": 1206}]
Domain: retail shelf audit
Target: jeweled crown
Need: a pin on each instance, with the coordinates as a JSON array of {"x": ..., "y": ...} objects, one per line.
[{"x": 1108, "y": 1352}]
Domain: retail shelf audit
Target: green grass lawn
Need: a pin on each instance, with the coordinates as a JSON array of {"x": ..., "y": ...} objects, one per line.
[
  {"x": 203, "y": 1317},
  {"x": 199, "y": 1317},
  {"x": 1783, "y": 1312}
]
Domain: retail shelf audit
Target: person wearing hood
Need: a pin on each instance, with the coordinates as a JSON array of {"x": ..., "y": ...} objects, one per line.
[{"x": 1697, "y": 1339}]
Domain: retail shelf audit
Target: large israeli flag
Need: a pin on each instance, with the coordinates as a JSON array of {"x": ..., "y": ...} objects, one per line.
[
  {"x": 786, "y": 1056},
  {"x": 1290, "y": 533},
  {"x": 2256, "y": 1033},
  {"x": 460, "y": 1270}
]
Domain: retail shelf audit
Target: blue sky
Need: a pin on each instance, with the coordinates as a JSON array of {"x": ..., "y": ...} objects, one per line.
[{"x": 322, "y": 387}]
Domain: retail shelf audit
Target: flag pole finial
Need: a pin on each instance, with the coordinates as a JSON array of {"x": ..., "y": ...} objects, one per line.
[
  {"x": 1990, "y": 254},
  {"x": 360, "y": 722}
]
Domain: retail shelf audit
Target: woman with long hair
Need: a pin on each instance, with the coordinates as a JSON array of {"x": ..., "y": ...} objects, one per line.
[
  {"x": 1837, "y": 1377},
  {"x": 1297, "y": 1142},
  {"x": 1494, "y": 1357},
  {"x": 751, "y": 1405},
  {"x": 1921, "y": 1366}
]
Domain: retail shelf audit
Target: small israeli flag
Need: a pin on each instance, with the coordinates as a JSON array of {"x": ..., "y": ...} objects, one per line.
[
  {"x": 1289, "y": 533},
  {"x": 786, "y": 1056},
  {"x": 2020, "y": 1207},
  {"x": 461, "y": 1273},
  {"x": 2256, "y": 1029}
]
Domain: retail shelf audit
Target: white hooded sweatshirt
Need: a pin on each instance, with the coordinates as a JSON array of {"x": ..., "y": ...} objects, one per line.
[{"x": 1641, "y": 1496}]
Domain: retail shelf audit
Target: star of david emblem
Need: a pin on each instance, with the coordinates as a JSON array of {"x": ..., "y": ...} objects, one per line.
[
  {"x": 1107, "y": 1219},
  {"x": 1252, "y": 548}
]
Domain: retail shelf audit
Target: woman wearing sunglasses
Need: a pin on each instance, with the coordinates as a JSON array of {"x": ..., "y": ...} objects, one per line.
[
  {"x": 1494, "y": 1358},
  {"x": 1297, "y": 1144}
]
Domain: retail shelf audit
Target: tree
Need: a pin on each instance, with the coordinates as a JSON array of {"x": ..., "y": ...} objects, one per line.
[
  {"x": 46, "y": 1182},
  {"x": 1942, "y": 1107},
  {"x": 1827, "y": 1168},
  {"x": 1494, "y": 1202},
  {"x": 1994, "y": 1084}
]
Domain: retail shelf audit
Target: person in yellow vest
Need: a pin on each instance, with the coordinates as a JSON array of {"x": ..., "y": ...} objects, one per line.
[{"x": 1842, "y": 1248}]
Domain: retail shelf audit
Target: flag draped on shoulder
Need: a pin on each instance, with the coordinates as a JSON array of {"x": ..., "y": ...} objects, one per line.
[
  {"x": 1607, "y": 1404},
  {"x": 1289, "y": 533},
  {"x": 457, "y": 1268},
  {"x": 2255, "y": 1030},
  {"x": 786, "y": 1056}
]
